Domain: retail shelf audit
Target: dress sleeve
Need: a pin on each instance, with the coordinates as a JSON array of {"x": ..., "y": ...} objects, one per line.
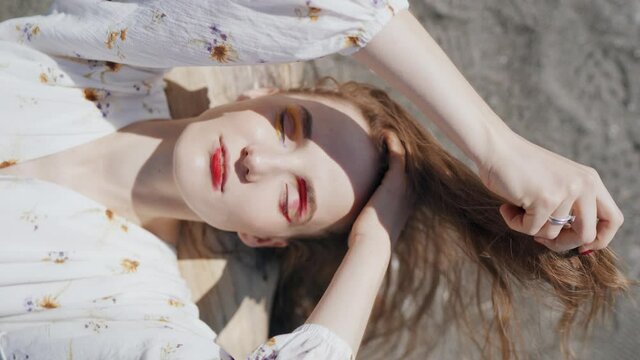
[
  {"x": 309, "y": 341},
  {"x": 167, "y": 33}
]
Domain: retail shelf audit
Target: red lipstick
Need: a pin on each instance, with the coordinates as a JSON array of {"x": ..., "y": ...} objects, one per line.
[
  {"x": 217, "y": 166},
  {"x": 300, "y": 204},
  {"x": 302, "y": 193}
]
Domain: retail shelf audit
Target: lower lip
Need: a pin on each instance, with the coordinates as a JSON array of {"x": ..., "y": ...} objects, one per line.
[{"x": 216, "y": 166}]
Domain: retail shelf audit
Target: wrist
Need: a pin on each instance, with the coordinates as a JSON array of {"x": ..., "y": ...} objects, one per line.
[
  {"x": 495, "y": 137},
  {"x": 378, "y": 247}
]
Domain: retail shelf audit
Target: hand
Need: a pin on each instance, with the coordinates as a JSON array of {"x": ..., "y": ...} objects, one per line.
[
  {"x": 346, "y": 305},
  {"x": 384, "y": 215},
  {"x": 539, "y": 183}
]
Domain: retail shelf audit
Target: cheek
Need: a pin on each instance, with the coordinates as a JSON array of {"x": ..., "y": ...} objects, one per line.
[
  {"x": 253, "y": 212},
  {"x": 249, "y": 126}
]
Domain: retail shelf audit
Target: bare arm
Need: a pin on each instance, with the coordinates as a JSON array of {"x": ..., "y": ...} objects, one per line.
[
  {"x": 406, "y": 56},
  {"x": 346, "y": 305},
  {"x": 546, "y": 184}
]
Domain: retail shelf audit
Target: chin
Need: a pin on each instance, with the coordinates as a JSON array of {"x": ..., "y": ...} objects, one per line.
[{"x": 191, "y": 174}]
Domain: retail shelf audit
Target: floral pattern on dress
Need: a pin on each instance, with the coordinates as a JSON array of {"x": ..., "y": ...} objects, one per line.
[
  {"x": 157, "y": 17},
  {"x": 309, "y": 11},
  {"x": 57, "y": 257},
  {"x": 383, "y": 4},
  {"x": 219, "y": 47},
  {"x": 111, "y": 298},
  {"x": 100, "y": 97},
  {"x": 44, "y": 302},
  {"x": 265, "y": 354},
  {"x": 114, "y": 39},
  {"x": 168, "y": 350},
  {"x": 148, "y": 108},
  {"x": 159, "y": 318},
  {"x": 19, "y": 355},
  {"x": 143, "y": 84},
  {"x": 111, "y": 217},
  {"x": 7, "y": 163},
  {"x": 268, "y": 353},
  {"x": 378, "y": 3},
  {"x": 33, "y": 217},
  {"x": 27, "y": 31},
  {"x": 271, "y": 342},
  {"x": 112, "y": 224},
  {"x": 29, "y": 304},
  {"x": 175, "y": 303},
  {"x": 355, "y": 39},
  {"x": 23, "y": 102},
  {"x": 101, "y": 68},
  {"x": 96, "y": 325},
  {"x": 50, "y": 76},
  {"x": 129, "y": 266},
  {"x": 48, "y": 302}
]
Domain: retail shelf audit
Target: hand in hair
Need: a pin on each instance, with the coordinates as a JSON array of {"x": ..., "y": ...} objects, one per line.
[
  {"x": 547, "y": 184},
  {"x": 536, "y": 182},
  {"x": 388, "y": 209},
  {"x": 346, "y": 305}
]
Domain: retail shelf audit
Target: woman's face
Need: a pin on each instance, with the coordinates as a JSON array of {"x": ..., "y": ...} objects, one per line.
[{"x": 277, "y": 166}]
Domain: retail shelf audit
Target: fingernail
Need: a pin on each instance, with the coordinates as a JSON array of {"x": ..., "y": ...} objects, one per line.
[{"x": 586, "y": 252}]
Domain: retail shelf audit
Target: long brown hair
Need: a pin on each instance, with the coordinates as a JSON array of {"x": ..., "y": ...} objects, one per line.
[{"x": 455, "y": 245}]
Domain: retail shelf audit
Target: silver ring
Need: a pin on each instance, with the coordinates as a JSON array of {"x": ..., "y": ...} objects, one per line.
[{"x": 569, "y": 219}]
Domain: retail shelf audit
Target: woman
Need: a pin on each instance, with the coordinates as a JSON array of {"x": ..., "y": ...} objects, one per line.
[
  {"x": 96, "y": 282},
  {"x": 98, "y": 83},
  {"x": 277, "y": 153},
  {"x": 205, "y": 33}
]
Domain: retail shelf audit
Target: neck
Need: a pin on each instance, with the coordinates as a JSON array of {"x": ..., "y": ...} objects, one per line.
[{"x": 140, "y": 171}]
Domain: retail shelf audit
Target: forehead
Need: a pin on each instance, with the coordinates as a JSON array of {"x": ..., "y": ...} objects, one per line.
[{"x": 345, "y": 159}]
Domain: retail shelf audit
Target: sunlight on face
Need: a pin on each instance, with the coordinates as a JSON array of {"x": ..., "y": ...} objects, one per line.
[{"x": 277, "y": 166}]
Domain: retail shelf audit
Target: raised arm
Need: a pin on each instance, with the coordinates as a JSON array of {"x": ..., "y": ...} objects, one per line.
[
  {"x": 409, "y": 59},
  {"x": 535, "y": 182},
  {"x": 346, "y": 305}
]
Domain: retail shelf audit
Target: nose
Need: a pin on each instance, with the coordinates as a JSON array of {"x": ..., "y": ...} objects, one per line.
[{"x": 258, "y": 163}]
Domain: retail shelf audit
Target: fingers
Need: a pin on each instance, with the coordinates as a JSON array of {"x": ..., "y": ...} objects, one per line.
[
  {"x": 551, "y": 231},
  {"x": 395, "y": 178},
  {"x": 610, "y": 219},
  {"x": 525, "y": 221},
  {"x": 598, "y": 219},
  {"x": 582, "y": 231},
  {"x": 391, "y": 199},
  {"x": 396, "y": 152},
  {"x": 548, "y": 184}
]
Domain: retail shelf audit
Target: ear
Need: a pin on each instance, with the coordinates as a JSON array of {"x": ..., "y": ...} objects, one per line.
[
  {"x": 254, "y": 241},
  {"x": 256, "y": 93}
]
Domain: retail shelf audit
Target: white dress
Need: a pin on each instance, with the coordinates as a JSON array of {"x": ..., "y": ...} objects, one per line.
[{"x": 77, "y": 281}]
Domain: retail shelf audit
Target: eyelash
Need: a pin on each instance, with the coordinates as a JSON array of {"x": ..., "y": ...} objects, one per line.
[{"x": 284, "y": 203}]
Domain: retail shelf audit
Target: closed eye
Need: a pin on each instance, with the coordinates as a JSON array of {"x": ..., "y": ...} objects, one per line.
[
  {"x": 288, "y": 123},
  {"x": 295, "y": 122}
]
